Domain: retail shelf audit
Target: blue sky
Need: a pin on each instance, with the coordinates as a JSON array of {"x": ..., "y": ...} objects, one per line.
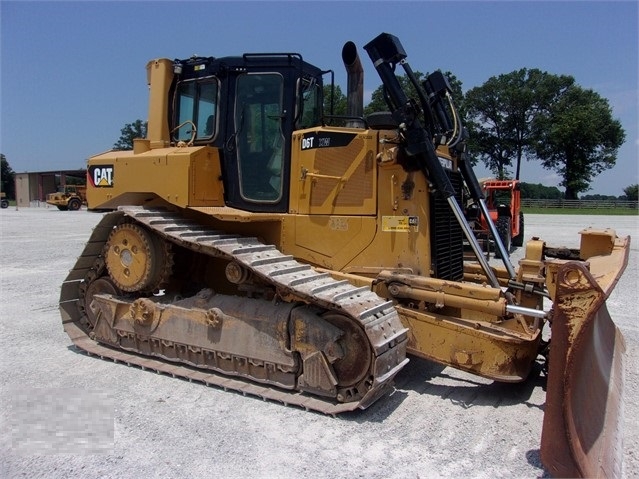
[{"x": 73, "y": 73}]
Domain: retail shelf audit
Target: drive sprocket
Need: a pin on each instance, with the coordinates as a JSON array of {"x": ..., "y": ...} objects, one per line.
[{"x": 136, "y": 259}]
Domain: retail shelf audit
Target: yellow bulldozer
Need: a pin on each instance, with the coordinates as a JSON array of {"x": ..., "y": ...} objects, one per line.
[{"x": 252, "y": 245}]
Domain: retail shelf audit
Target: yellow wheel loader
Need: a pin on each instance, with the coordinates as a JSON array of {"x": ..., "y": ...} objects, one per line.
[
  {"x": 253, "y": 246},
  {"x": 68, "y": 197}
]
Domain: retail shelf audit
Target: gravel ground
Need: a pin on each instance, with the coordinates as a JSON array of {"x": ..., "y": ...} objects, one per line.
[{"x": 66, "y": 414}]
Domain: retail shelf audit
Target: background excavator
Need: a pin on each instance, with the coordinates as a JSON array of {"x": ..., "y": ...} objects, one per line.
[{"x": 253, "y": 246}]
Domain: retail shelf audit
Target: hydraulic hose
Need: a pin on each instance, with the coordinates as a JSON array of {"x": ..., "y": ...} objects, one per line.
[
  {"x": 384, "y": 50},
  {"x": 476, "y": 194}
]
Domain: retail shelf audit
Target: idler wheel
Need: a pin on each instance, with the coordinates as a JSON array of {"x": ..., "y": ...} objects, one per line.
[
  {"x": 136, "y": 259},
  {"x": 101, "y": 285},
  {"x": 355, "y": 363}
]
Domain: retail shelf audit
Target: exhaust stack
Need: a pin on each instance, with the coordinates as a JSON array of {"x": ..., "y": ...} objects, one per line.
[
  {"x": 355, "y": 85},
  {"x": 159, "y": 76}
]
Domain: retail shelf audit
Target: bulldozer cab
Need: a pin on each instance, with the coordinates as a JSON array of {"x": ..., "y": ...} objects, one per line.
[{"x": 247, "y": 107}]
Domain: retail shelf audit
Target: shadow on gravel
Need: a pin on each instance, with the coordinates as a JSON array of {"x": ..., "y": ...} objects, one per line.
[
  {"x": 534, "y": 459},
  {"x": 379, "y": 411},
  {"x": 465, "y": 391},
  {"x": 422, "y": 377},
  {"x": 461, "y": 389}
]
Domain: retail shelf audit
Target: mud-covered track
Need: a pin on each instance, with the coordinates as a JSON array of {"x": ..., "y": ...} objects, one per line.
[
  {"x": 376, "y": 317},
  {"x": 208, "y": 378}
]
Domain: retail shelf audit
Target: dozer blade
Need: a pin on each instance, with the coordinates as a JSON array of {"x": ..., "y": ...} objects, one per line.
[{"x": 582, "y": 429}]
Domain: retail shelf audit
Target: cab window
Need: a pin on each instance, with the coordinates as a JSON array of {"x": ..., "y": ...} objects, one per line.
[
  {"x": 196, "y": 102},
  {"x": 311, "y": 105},
  {"x": 258, "y": 131}
]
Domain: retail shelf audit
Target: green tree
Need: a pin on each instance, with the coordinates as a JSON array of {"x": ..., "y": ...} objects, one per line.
[
  {"x": 598, "y": 197},
  {"x": 8, "y": 178},
  {"x": 338, "y": 103},
  {"x": 500, "y": 112},
  {"x": 577, "y": 137},
  {"x": 378, "y": 102},
  {"x": 128, "y": 133},
  {"x": 631, "y": 192},
  {"x": 539, "y": 191}
]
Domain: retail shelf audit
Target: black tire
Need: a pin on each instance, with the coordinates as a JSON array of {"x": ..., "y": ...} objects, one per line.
[
  {"x": 74, "y": 204},
  {"x": 62, "y": 208},
  {"x": 4, "y": 204},
  {"x": 504, "y": 231},
  {"x": 519, "y": 239}
]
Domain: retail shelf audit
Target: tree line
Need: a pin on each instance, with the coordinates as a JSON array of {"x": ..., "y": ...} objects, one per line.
[
  {"x": 530, "y": 115},
  {"x": 527, "y": 114},
  {"x": 540, "y": 192}
]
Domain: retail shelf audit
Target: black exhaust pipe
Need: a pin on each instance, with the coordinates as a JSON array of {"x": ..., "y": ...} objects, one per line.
[{"x": 355, "y": 85}]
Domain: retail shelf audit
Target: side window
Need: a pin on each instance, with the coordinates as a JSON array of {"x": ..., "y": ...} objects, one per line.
[
  {"x": 206, "y": 119},
  {"x": 186, "y": 102},
  {"x": 196, "y": 103},
  {"x": 311, "y": 106},
  {"x": 259, "y": 137}
]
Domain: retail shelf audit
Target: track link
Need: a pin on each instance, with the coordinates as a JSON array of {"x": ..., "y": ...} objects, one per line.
[{"x": 376, "y": 316}]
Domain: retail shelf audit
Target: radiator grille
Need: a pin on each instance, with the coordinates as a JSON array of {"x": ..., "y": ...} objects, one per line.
[{"x": 447, "y": 237}]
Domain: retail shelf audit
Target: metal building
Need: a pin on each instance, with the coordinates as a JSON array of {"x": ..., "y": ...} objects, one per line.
[{"x": 32, "y": 188}]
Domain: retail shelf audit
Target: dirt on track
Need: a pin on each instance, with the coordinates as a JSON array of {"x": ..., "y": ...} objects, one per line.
[{"x": 66, "y": 414}]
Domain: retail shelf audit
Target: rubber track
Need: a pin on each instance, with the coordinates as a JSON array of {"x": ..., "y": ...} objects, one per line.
[{"x": 378, "y": 317}]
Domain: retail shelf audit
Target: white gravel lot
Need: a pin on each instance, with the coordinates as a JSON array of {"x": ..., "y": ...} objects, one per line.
[{"x": 65, "y": 414}]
